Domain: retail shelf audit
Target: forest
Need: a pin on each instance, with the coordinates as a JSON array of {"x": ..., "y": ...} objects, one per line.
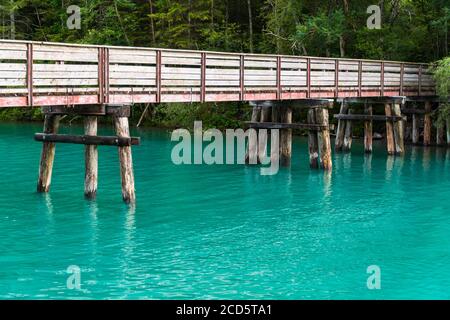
[{"x": 410, "y": 30}]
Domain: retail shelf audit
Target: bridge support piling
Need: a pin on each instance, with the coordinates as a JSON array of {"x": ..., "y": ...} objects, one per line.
[
  {"x": 91, "y": 159},
  {"x": 266, "y": 114},
  {"x": 313, "y": 142},
  {"x": 368, "y": 129},
  {"x": 427, "y": 124},
  {"x": 323, "y": 137},
  {"x": 348, "y": 137},
  {"x": 399, "y": 130},
  {"x": 126, "y": 161},
  {"x": 390, "y": 143},
  {"x": 51, "y": 125},
  {"x": 341, "y": 128},
  {"x": 252, "y": 150},
  {"x": 415, "y": 129},
  {"x": 285, "y": 137}
]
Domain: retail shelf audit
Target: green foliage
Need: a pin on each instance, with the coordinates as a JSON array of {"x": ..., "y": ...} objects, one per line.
[
  {"x": 323, "y": 32},
  {"x": 441, "y": 71},
  {"x": 183, "y": 115}
]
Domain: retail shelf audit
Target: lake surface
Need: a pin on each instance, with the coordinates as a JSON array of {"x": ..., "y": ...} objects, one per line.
[{"x": 206, "y": 232}]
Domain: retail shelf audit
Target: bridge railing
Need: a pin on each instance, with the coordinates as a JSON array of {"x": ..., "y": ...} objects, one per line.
[{"x": 41, "y": 74}]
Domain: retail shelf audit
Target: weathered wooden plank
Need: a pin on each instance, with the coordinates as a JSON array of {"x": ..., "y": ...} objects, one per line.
[
  {"x": 57, "y": 67},
  {"x": 259, "y": 64},
  {"x": 65, "y": 56},
  {"x": 114, "y": 68},
  {"x": 181, "y": 61},
  {"x": 12, "y": 46},
  {"x": 13, "y": 55},
  {"x": 87, "y": 139},
  {"x": 181, "y": 70},
  {"x": 12, "y": 82},
  {"x": 223, "y": 63},
  {"x": 65, "y": 75},
  {"x": 129, "y": 75},
  {"x": 366, "y": 117},
  {"x": 13, "y": 74},
  {"x": 13, "y": 67},
  {"x": 278, "y": 125},
  {"x": 132, "y": 56},
  {"x": 65, "y": 82},
  {"x": 224, "y": 72}
]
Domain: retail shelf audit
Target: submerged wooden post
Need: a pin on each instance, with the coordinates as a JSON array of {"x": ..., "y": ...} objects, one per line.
[
  {"x": 323, "y": 137},
  {"x": 126, "y": 161},
  {"x": 348, "y": 138},
  {"x": 51, "y": 125},
  {"x": 427, "y": 125},
  {"x": 266, "y": 114},
  {"x": 368, "y": 130},
  {"x": 389, "y": 130},
  {"x": 341, "y": 128},
  {"x": 399, "y": 132},
  {"x": 313, "y": 143},
  {"x": 91, "y": 159},
  {"x": 252, "y": 151},
  {"x": 286, "y": 137},
  {"x": 415, "y": 129}
]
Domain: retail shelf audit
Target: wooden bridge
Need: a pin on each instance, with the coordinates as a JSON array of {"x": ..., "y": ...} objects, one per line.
[
  {"x": 93, "y": 81},
  {"x": 47, "y": 74}
]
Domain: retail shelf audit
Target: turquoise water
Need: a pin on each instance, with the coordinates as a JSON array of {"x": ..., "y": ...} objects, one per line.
[{"x": 224, "y": 231}]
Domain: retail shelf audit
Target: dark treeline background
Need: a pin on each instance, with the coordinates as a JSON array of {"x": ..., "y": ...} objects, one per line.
[{"x": 411, "y": 31}]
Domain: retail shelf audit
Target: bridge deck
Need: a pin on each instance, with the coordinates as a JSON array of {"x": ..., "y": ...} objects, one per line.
[{"x": 42, "y": 74}]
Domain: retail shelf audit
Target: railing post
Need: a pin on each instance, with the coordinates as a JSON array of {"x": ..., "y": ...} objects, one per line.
[
  {"x": 30, "y": 74},
  {"x": 158, "y": 76},
  {"x": 336, "y": 77},
  {"x": 402, "y": 74},
  {"x": 279, "y": 92},
  {"x": 241, "y": 77},
  {"x": 106, "y": 74},
  {"x": 101, "y": 75},
  {"x": 420, "y": 80},
  {"x": 203, "y": 78},
  {"x": 308, "y": 77},
  {"x": 359, "y": 78}
]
